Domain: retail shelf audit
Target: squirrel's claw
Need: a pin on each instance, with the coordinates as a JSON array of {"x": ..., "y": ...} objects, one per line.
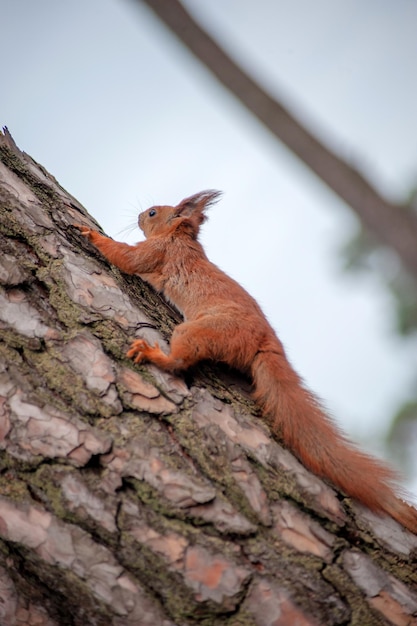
[{"x": 84, "y": 230}]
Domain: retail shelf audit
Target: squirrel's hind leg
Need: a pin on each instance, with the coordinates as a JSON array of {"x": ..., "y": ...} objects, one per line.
[{"x": 191, "y": 342}]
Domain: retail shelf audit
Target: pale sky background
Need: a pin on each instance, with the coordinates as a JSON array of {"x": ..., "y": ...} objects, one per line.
[{"x": 102, "y": 95}]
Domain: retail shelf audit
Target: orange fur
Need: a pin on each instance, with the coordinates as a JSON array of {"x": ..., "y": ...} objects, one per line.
[{"x": 222, "y": 322}]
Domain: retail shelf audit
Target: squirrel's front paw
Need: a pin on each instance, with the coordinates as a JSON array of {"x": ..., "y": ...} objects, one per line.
[{"x": 85, "y": 231}]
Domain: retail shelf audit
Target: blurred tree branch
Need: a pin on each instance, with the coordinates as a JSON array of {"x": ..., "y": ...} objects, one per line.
[{"x": 393, "y": 225}]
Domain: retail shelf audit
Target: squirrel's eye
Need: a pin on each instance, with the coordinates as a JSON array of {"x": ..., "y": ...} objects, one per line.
[{"x": 152, "y": 212}]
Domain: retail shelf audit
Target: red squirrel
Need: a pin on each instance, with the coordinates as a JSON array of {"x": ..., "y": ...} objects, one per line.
[{"x": 222, "y": 322}]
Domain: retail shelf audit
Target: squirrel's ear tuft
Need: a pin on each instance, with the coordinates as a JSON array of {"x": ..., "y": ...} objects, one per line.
[{"x": 198, "y": 203}]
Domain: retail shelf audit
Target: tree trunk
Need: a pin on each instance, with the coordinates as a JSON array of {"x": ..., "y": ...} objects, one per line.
[{"x": 132, "y": 497}]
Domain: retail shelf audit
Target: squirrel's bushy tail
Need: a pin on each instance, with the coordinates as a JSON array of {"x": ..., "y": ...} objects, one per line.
[{"x": 297, "y": 418}]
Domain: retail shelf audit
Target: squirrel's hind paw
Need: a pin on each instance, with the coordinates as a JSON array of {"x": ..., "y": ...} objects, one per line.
[{"x": 140, "y": 350}]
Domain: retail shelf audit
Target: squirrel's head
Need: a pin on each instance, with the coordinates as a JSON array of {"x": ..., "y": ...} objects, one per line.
[{"x": 187, "y": 216}]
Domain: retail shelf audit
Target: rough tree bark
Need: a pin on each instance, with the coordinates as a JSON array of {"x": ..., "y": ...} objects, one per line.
[
  {"x": 391, "y": 224},
  {"x": 130, "y": 497}
]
